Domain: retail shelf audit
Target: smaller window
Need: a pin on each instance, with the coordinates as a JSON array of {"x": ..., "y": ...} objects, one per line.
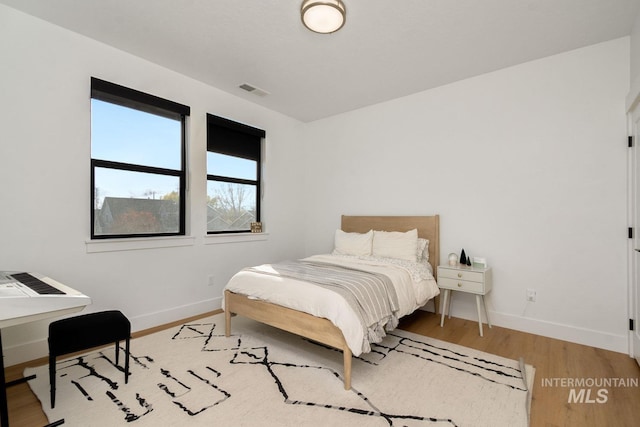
[{"x": 233, "y": 175}]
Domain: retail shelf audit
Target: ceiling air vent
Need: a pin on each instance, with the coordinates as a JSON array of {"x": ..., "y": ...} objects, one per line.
[{"x": 254, "y": 90}]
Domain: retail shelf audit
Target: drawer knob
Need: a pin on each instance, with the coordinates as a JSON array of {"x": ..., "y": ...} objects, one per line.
[
  {"x": 459, "y": 285},
  {"x": 459, "y": 275}
]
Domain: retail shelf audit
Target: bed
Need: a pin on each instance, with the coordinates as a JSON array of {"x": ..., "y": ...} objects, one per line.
[{"x": 246, "y": 293}]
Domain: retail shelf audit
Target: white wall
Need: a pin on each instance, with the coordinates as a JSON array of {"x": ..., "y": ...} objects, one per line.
[
  {"x": 45, "y": 190},
  {"x": 526, "y": 166},
  {"x": 635, "y": 52}
]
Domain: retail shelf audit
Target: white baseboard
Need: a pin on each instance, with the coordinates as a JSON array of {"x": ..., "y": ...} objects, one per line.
[
  {"x": 21, "y": 353},
  {"x": 584, "y": 336},
  {"x": 146, "y": 321},
  {"x": 38, "y": 347}
]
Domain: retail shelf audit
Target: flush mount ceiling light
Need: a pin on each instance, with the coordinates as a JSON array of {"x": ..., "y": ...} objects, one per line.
[{"x": 323, "y": 17}]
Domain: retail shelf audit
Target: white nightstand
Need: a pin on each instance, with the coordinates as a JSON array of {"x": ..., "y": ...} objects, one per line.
[{"x": 464, "y": 279}]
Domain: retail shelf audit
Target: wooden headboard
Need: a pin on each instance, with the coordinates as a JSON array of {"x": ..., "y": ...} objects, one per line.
[{"x": 428, "y": 228}]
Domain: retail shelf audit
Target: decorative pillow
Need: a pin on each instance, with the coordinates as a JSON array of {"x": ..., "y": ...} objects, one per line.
[
  {"x": 422, "y": 253},
  {"x": 353, "y": 243},
  {"x": 395, "y": 244}
]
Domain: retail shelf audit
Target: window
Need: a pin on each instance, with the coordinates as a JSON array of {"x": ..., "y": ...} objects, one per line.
[
  {"x": 137, "y": 163},
  {"x": 233, "y": 175}
]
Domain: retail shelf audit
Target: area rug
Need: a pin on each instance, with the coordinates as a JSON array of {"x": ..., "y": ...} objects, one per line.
[{"x": 192, "y": 375}]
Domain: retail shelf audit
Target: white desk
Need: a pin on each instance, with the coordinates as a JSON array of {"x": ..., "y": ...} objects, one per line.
[{"x": 20, "y": 304}]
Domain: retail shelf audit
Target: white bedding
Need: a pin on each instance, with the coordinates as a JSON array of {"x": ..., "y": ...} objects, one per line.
[{"x": 414, "y": 285}]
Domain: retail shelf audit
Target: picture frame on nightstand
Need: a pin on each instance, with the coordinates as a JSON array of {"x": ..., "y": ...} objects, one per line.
[{"x": 478, "y": 262}]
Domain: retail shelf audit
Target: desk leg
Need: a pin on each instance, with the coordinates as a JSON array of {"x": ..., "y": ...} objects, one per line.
[
  {"x": 4, "y": 410},
  {"x": 478, "y": 297}
]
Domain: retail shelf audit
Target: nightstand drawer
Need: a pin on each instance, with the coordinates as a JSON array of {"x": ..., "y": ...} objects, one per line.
[
  {"x": 458, "y": 274},
  {"x": 461, "y": 285}
]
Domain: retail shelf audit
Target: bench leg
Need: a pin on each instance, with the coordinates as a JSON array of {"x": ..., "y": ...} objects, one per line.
[
  {"x": 126, "y": 361},
  {"x": 52, "y": 380}
]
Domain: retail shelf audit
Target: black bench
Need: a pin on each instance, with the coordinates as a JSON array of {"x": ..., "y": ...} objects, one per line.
[{"x": 84, "y": 332}]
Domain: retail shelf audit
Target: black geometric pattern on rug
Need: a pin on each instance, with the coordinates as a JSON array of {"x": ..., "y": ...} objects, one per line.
[
  {"x": 260, "y": 356},
  {"x": 426, "y": 351},
  {"x": 178, "y": 386}
]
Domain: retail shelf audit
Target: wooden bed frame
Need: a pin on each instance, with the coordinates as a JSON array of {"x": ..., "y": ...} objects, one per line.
[{"x": 320, "y": 329}]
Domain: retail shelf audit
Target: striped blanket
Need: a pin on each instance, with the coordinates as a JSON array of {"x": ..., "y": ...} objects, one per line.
[{"x": 371, "y": 295}]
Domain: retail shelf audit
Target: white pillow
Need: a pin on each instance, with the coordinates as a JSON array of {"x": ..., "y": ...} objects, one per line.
[
  {"x": 395, "y": 244},
  {"x": 422, "y": 253},
  {"x": 353, "y": 243}
]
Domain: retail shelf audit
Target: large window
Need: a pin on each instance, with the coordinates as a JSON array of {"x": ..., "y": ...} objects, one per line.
[
  {"x": 233, "y": 175},
  {"x": 137, "y": 163}
]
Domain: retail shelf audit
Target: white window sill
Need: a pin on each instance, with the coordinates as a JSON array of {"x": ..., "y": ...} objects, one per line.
[
  {"x": 111, "y": 245},
  {"x": 215, "y": 239}
]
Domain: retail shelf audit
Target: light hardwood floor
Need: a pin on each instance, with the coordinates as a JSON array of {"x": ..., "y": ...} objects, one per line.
[{"x": 553, "y": 359}]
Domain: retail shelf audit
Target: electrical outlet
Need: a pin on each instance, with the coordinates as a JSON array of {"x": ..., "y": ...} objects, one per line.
[
  {"x": 210, "y": 281},
  {"x": 531, "y": 295}
]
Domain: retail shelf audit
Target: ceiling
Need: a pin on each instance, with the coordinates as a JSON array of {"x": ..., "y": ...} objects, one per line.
[{"x": 387, "y": 49}]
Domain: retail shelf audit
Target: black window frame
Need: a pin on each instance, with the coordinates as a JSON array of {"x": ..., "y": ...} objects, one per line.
[
  {"x": 120, "y": 95},
  {"x": 225, "y": 136}
]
